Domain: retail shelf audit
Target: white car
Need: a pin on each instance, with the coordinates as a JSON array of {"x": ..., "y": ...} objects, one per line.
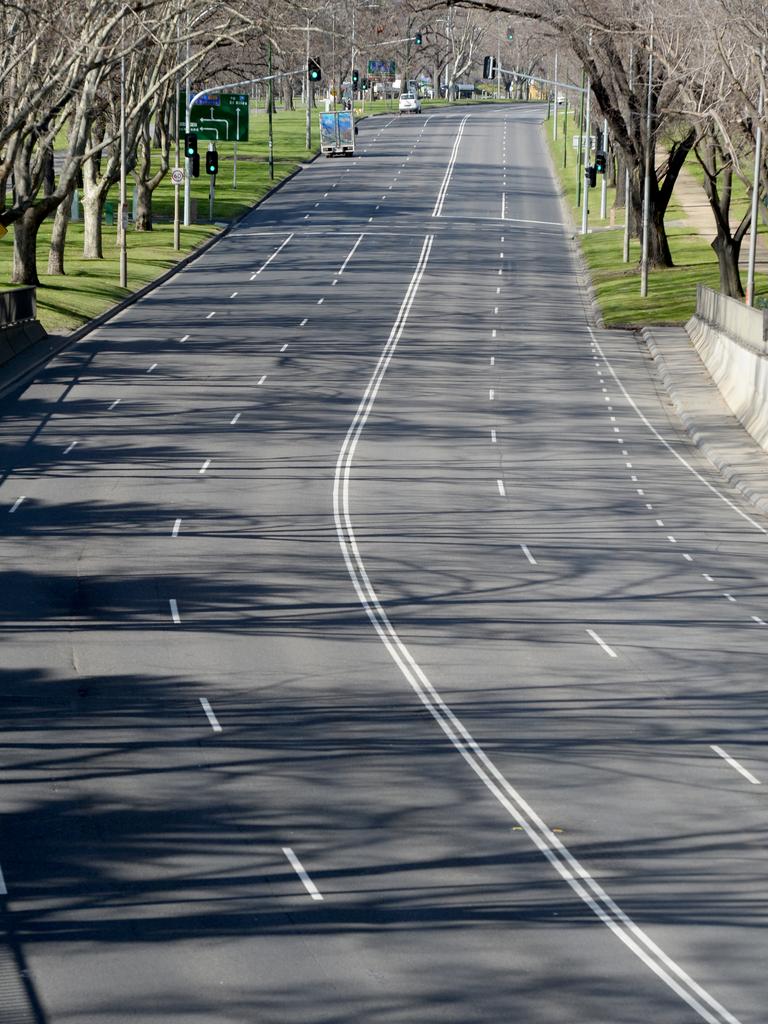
[{"x": 409, "y": 103}]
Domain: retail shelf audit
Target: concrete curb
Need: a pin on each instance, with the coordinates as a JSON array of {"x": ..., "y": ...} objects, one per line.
[
  {"x": 49, "y": 347},
  {"x": 725, "y": 467}
]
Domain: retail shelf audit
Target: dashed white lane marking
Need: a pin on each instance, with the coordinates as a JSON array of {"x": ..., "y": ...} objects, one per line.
[
  {"x": 500, "y": 271},
  {"x": 758, "y": 620},
  {"x": 3, "y": 888},
  {"x": 351, "y": 253},
  {"x": 306, "y": 216},
  {"x": 659, "y": 522},
  {"x": 234, "y": 419},
  {"x": 671, "y": 539},
  {"x": 493, "y": 360},
  {"x": 735, "y": 764},
  {"x": 316, "y": 205},
  {"x": 185, "y": 338},
  {"x": 115, "y": 403},
  {"x": 335, "y": 281},
  {"x": 501, "y": 255},
  {"x": 298, "y": 867},
  {"x": 262, "y": 378},
  {"x": 707, "y": 577},
  {"x": 174, "y": 611},
  {"x": 687, "y": 557},
  {"x": 498, "y": 290},
  {"x": 277, "y": 251},
  {"x": 16, "y": 503},
  {"x": 598, "y": 640},
  {"x": 493, "y": 436},
  {"x": 233, "y": 295},
  {"x": 204, "y": 466},
  {"x": 212, "y": 313},
  {"x": 176, "y": 528},
  {"x": 303, "y": 321},
  {"x": 528, "y": 555},
  {"x": 493, "y": 333},
  {"x": 285, "y": 346},
  {"x": 213, "y": 720},
  {"x": 495, "y": 310},
  {"x": 491, "y": 394},
  {"x": 69, "y": 447},
  {"x": 729, "y": 597},
  {"x": 370, "y": 221},
  {"x": 500, "y": 485},
  {"x": 152, "y": 367},
  {"x": 321, "y": 301}
]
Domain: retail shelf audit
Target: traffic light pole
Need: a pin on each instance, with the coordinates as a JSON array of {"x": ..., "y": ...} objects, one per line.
[{"x": 206, "y": 92}]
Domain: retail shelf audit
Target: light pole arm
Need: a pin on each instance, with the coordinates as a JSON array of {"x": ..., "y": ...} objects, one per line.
[{"x": 233, "y": 85}]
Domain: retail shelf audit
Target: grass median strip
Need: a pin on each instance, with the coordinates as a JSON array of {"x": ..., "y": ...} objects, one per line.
[{"x": 672, "y": 290}]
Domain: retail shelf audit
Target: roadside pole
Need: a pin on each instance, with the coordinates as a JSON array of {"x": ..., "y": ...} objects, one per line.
[
  {"x": 308, "y": 139},
  {"x": 123, "y": 222},
  {"x": 627, "y": 197},
  {"x": 647, "y": 182},
  {"x": 588, "y": 150},
  {"x": 750, "y": 299},
  {"x": 237, "y": 135},
  {"x": 176, "y": 222},
  {"x": 554, "y": 120},
  {"x": 604, "y": 186},
  {"x": 211, "y": 189},
  {"x": 270, "y": 104},
  {"x": 565, "y": 131},
  {"x": 581, "y": 142},
  {"x": 187, "y": 161}
]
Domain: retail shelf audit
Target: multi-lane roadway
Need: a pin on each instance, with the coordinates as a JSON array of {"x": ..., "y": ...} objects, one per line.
[{"x": 375, "y": 646}]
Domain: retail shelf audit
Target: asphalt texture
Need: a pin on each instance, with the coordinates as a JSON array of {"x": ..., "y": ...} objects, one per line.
[{"x": 369, "y": 628}]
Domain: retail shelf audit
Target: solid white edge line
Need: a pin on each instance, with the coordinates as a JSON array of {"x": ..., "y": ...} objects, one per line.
[
  {"x": 500, "y": 485},
  {"x": 298, "y": 867},
  {"x": 204, "y": 466},
  {"x": 176, "y": 528},
  {"x": 280, "y": 247},
  {"x": 16, "y": 503},
  {"x": 644, "y": 419},
  {"x": 608, "y": 650},
  {"x": 174, "y": 610},
  {"x": 735, "y": 764},
  {"x": 213, "y": 720},
  {"x": 3, "y": 887},
  {"x": 547, "y": 842},
  {"x": 351, "y": 253}
]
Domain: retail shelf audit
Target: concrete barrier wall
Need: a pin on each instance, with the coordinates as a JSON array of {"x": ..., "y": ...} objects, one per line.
[{"x": 732, "y": 340}]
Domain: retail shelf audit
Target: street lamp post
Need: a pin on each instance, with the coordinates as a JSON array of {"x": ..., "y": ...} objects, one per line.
[{"x": 756, "y": 186}]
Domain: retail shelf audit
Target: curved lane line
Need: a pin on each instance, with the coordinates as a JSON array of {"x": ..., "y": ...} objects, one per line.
[{"x": 548, "y": 844}]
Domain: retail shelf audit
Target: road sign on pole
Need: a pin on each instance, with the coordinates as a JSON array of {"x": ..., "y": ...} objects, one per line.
[
  {"x": 381, "y": 67},
  {"x": 177, "y": 176},
  {"x": 219, "y": 116}
]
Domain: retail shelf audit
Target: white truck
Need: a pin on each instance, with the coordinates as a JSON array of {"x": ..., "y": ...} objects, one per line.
[{"x": 337, "y": 133}]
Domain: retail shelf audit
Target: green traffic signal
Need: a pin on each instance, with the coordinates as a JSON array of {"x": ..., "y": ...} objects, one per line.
[
  {"x": 418, "y": 39},
  {"x": 313, "y": 70},
  {"x": 190, "y": 144}
]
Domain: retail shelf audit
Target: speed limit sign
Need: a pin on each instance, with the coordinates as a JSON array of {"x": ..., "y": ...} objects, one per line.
[{"x": 177, "y": 175}]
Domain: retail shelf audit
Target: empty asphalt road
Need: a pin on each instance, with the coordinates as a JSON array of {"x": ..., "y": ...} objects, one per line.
[{"x": 375, "y": 648}]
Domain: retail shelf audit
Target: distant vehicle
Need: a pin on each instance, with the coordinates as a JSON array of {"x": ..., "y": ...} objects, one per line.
[{"x": 409, "y": 103}]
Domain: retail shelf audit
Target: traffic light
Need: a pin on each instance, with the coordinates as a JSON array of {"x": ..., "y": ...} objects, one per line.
[
  {"x": 196, "y": 165},
  {"x": 489, "y": 67},
  {"x": 355, "y": 77},
  {"x": 510, "y": 34},
  {"x": 313, "y": 69},
  {"x": 600, "y": 160},
  {"x": 211, "y": 162},
  {"x": 591, "y": 173},
  {"x": 418, "y": 38},
  {"x": 365, "y": 84},
  {"x": 190, "y": 144}
]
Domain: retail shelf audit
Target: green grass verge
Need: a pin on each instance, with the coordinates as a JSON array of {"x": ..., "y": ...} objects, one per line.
[
  {"x": 671, "y": 291},
  {"x": 91, "y": 286}
]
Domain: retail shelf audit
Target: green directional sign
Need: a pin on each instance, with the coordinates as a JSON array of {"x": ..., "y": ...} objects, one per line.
[{"x": 220, "y": 116}]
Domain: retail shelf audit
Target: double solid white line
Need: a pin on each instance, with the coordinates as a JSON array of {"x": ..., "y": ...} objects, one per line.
[
  {"x": 449, "y": 169},
  {"x": 547, "y": 842}
]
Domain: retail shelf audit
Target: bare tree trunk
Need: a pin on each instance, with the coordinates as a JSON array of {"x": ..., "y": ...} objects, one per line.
[
  {"x": 728, "y": 250},
  {"x": 25, "y": 243},
  {"x": 93, "y": 211},
  {"x": 287, "y": 91},
  {"x": 143, "y": 206},
  {"x": 59, "y": 236}
]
